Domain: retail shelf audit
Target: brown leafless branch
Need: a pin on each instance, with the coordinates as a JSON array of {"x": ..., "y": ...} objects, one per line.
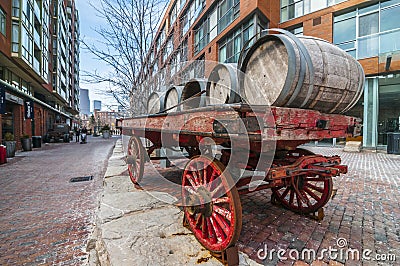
[{"x": 126, "y": 38}]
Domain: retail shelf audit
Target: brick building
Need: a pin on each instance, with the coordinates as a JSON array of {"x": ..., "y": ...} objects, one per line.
[
  {"x": 39, "y": 65},
  {"x": 106, "y": 118},
  {"x": 215, "y": 30}
]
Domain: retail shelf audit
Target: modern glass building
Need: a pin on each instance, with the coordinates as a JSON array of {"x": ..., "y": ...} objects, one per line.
[{"x": 201, "y": 31}]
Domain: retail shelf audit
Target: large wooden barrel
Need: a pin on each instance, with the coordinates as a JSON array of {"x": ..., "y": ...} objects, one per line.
[
  {"x": 304, "y": 72},
  {"x": 155, "y": 102},
  {"x": 172, "y": 98},
  {"x": 193, "y": 94},
  {"x": 223, "y": 85}
]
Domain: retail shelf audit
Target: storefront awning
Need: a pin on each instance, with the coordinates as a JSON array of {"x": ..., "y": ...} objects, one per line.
[{"x": 25, "y": 95}]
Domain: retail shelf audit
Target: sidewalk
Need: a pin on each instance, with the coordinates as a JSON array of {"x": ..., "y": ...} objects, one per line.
[{"x": 135, "y": 228}]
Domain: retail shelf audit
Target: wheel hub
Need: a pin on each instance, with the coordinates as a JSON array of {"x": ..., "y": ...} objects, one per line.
[{"x": 200, "y": 202}]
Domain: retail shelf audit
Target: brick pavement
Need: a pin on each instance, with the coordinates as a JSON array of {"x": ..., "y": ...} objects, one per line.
[
  {"x": 45, "y": 219},
  {"x": 365, "y": 212}
]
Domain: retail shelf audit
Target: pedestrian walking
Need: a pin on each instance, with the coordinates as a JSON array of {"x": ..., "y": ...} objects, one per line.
[{"x": 77, "y": 133}]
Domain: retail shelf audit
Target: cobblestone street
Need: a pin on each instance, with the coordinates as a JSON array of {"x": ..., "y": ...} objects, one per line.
[
  {"x": 45, "y": 219},
  {"x": 364, "y": 212}
]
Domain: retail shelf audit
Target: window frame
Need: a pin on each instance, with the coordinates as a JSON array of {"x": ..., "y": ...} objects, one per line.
[
  {"x": 375, "y": 47},
  {"x": 3, "y": 22}
]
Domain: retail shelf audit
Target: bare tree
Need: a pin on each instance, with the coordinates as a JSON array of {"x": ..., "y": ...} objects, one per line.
[{"x": 131, "y": 26}]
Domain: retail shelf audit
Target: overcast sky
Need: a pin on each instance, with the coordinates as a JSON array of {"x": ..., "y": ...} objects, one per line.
[{"x": 88, "y": 22}]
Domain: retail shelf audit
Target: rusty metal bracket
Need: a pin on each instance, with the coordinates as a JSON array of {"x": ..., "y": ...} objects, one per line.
[{"x": 228, "y": 257}]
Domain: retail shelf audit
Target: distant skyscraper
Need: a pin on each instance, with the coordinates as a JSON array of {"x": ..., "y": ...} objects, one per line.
[
  {"x": 97, "y": 105},
  {"x": 84, "y": 102}
]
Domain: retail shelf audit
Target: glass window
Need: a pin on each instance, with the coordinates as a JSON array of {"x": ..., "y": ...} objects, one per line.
[
  {"x": 201, "y": 37},
  {"x": 390, "y": 41},
  {"x": 284, "y": 14},
  {"x": 334, "y": 2},
  {"x": 298, "y": 9},
  {"x": 368, "y": 9},
  {"x": 15, "y": 8},
  {"x": 228, "y": 11},
  {"x": 213, "y": 24},
  {"x": 353, "y": 53},
  {"x": 345, "y": 16},
  {"x": 231, "y": 46},
  {"x": 297, "y": 31},
  {"x": 344, "y": 30},
  {"x": 295, "y": 8},
  {"x": 248, "y": 33},
  {"x": 173, "y": 14},
  {"x": 317, "y": 5},
  {"x": 369, "y": 24},
  {"x": 389, "y": 3},
  {"x": 368, "y": 46},
  {"x": 387, "y": 18},
  {"x": 2, "y": 22},
  {"x": 291, "y": 12},
  {"x": 347, "y": 46}
]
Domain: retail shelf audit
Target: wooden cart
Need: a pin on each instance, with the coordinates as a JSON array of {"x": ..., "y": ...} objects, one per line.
[{"x": 259, "y": 140}]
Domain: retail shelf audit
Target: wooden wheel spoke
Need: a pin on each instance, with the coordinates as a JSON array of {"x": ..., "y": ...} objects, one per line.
[
  {"x": 221, "y": 200},
  {"x": 313, "y": 187},
  {"x": 219, "y": 189},
  {"x": 196, "y": 177},
  {"x": 191, "y": 181},
  {"x": 204, "y": 229},
  {"x": 206, "y": 175},
  {"x": 219, "y": 233},
  {"x": 305, "y": 198},
  {"x": 211, "y": 233},
  {"x": 285, "y": 192},
  {"x": 316, "y": 179},
  {"x": 223, "y": 212},
  {"x": 211, "y": 183},
  {"x": 198, "y": 221},
  {"x": 298, "y": 200},
  {"x": 291, "y": 198},
  {"x": 309, "y": 192},
  {"x": 222, "y": 223},
  {"x": 190, "y": 190}
]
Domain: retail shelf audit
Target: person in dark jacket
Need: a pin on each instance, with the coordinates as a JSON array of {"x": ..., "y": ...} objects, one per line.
[{"x": 77, "y": 134}]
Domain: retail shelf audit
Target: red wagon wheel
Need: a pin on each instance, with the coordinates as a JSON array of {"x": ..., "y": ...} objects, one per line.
[
  {"x": 304, "y": 194},
  {"x": 135, "y": 159},
  {"x": 212, "y": 204}
]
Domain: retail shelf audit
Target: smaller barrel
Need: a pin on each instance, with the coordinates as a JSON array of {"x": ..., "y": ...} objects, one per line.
[
  {"x": 193, "y": 94},
  {"x": 173, "y": 98},
  {"x": 155, "y": 102},
  {"x": 223, "y": 85}
]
